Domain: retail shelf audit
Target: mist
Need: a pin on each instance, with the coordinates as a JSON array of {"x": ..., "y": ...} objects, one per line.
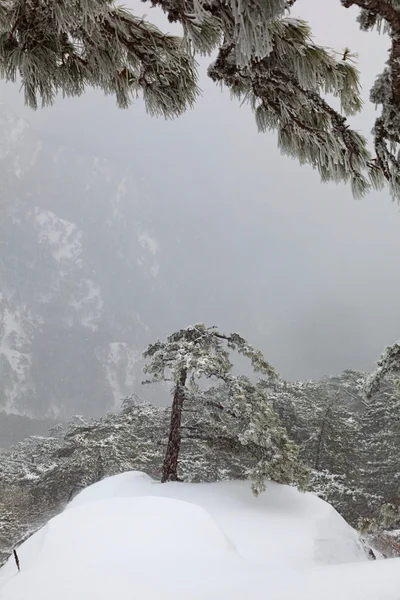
[{"x": 244, "y": 238}]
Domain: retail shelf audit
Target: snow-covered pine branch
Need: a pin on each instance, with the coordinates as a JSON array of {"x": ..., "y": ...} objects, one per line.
[
  {"x": 388, "y": 364},
  {"x": 67, "y": 46},
  {"x": 384, "y": 16},
  {"x": 265, "y": 57}
]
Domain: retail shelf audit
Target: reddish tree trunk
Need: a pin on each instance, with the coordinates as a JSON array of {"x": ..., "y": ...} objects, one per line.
[{"x": 170, "y": 466}]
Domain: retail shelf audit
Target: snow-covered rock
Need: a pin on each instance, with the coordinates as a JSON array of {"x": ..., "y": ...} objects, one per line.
[{"x": 131, "y": 537}]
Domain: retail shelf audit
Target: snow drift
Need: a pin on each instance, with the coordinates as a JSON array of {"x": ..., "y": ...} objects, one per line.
[{"x": 129, "y": 537}]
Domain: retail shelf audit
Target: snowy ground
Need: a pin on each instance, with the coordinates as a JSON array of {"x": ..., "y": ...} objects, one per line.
[{"x": 129, "y": 537}]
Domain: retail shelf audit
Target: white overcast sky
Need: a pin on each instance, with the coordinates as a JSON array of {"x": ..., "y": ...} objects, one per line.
[{"x": 317, "y": 270}]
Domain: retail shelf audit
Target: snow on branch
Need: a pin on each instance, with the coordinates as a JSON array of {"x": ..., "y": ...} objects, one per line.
[
  {"x": 388, "y": 364},
  {"x": 266, "y": 59},
  {"x": 65, "y": 47},
  {"x": 384, "y": 15}
]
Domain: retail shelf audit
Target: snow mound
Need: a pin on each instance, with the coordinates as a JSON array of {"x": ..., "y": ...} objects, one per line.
[
  {"x": 149, "y": 527},
  {"x": 129, "y": 537},
  {"x": 305, "y": 530},
  {"x": 157, "y": 526}
]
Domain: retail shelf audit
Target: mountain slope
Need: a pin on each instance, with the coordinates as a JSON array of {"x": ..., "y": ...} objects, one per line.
[{"x": 78, "y": 276}]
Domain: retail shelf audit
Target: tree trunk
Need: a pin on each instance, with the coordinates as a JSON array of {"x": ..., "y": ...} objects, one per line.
[{"x": 170, "y": 466}]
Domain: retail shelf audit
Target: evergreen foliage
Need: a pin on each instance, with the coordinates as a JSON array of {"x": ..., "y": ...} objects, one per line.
[
  {"x": 320, "y": 418},
  {"x": 384, "y": 16},
  {"x": 388, "y": 365},
  {"x": 322, "y": 436},
  {"x": 199, "y": 352},
  {"x": 69, "y": 45},
  {"x": 238, "y": 419},
  {"x": 325, "y": 418},
  {"x": 380, "y": 440},
  {"x": 380, "y": 445},
  {"x": 265, "y": 57},
  {"x": 223, "y": 437}
]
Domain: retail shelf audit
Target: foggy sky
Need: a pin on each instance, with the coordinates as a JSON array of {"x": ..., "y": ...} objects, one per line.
[{"x": 317, "y": 283}]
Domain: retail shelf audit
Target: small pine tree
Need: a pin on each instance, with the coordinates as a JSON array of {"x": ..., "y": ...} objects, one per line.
[{"x": 189, "y": 355}]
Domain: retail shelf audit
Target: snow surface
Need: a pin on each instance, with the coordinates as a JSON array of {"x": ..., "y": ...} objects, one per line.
[{"x": 130, "y": 537}]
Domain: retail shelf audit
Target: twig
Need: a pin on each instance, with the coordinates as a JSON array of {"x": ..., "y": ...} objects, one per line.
[{"x": 17, "y": 560}]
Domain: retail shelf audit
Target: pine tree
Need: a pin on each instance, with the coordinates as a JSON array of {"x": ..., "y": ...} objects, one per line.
[
  {"x": 237, "y": 420},
  {"x": 388, "y": 365},
  {"x": 320, "y": 419},
  {"x": 276, "y": 455},
  {"x": 264, "y": 57},
  {"x": 380, "y": 433},
  {"x": 128, "y": 439},
  {"x": 323, "y": 418},
  {"x": 189, "y": 355},
  {"x": 380, "y": 438}
]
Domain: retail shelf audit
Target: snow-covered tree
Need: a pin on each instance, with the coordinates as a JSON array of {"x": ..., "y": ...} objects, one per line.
[
  {"x": 40, "y": 475},
  {"x": 384, "y": 16},
  {"x": 323, "y": 418},
  {"x": 29, "y": 460},
  {"x": 9, "y": 523},
  {"x": 189, "y": 355},
  {"x": 263, "y": 55},
  {"x": 276, "y": 455},
  {"x": 236, "y": 419},
  {"x": 380, "y": 444},
  {"x": 131, "y": 438},
  {"x": 23, "y": 498},
  {"x": 380, "y": 434},
  {"x": 388, "y": 365},
  {"x": 346, "y": 495}
]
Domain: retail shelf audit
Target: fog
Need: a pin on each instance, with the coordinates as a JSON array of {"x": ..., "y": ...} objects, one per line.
[{"x": 302, "y": 269}]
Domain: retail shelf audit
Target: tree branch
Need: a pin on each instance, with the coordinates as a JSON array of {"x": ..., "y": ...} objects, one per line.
[
  {"x": 392, "y": 17},
  {"x": 394, "y": 62},
  {"x": 386, "y": 90},
  {"x": 382, "y": 7}
]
